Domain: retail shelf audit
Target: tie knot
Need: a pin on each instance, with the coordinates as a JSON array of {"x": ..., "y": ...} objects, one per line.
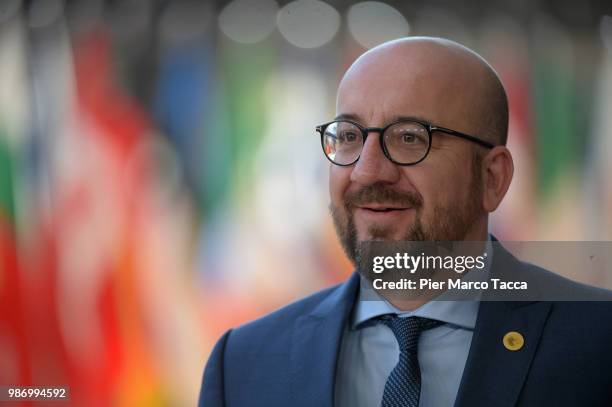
[{"x": 408, "y": 330}]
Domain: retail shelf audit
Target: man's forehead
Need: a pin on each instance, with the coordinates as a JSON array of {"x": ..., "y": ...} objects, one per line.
[
  {"x": 434, "y": 84},
  {"x": 405, "y": 77},
  {"x": 365, "y": 98}
]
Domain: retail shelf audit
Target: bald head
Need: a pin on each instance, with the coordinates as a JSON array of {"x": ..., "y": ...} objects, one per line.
[{"x": 434, "y": 79}]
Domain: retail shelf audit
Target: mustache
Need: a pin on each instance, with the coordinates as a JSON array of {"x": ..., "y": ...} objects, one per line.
[{"x": 382, "y": 194}]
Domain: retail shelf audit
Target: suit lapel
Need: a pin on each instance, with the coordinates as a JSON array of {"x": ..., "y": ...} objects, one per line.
[
  {"x": 315, "y": 346},
  {"x": 494, "y": 375}
]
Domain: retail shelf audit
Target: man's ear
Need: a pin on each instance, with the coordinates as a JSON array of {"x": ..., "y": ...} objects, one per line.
[{"x": 497, "y": 170}]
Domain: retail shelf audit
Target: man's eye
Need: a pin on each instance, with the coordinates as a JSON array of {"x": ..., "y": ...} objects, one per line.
[
  {"x": 347, "y": 137},
  {"x": 409, "y": 138}
]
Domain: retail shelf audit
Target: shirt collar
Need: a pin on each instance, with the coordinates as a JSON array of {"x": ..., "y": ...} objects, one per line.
[{"x": 459, "y": 313}]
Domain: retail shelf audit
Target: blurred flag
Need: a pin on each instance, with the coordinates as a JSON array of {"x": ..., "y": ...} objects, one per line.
[
  {"x": 559, "y": 139},
  {"x": 14, "y": 347}
]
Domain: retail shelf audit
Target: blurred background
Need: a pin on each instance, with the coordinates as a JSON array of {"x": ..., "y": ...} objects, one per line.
[{"x": 161, "y": 180}]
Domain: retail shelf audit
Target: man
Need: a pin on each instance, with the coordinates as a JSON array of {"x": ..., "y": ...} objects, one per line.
[{"x": 418, "y": 154}]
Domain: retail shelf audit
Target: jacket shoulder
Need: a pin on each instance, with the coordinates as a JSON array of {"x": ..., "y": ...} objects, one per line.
[
  {"x": 544, "y": 285},
  {"x": 564, "y": 288},
  {"x": 275, "y": 327}
]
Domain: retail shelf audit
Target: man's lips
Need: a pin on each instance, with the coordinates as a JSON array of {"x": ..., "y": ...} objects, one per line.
[
  {"x": 381, "y": 214},
  {"x": 382, "y": 208}
]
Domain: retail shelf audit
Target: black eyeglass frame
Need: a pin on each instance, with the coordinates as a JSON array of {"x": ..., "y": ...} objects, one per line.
[{"x": 365, "y": 131}]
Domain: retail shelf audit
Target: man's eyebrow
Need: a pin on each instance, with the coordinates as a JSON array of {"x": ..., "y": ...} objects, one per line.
[{"x": 348, "y": 116}]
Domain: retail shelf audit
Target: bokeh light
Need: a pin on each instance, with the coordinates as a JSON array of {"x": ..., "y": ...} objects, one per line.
[
  {"x": 372, "y": 23},
  {"x": 308, "y": 23},
  {"x": 248, "y": 21}
]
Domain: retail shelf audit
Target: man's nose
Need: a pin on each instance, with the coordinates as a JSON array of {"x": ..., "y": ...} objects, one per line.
[{"x": 373, "y": 166}]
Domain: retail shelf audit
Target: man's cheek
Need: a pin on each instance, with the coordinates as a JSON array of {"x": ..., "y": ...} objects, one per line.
[{"x": 339, "y": 178}]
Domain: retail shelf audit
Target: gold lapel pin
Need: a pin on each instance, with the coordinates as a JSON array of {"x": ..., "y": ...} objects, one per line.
[{"x": 513, "y": 341}]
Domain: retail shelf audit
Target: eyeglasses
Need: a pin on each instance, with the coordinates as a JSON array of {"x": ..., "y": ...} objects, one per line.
[{"x": 404, "y": 142}]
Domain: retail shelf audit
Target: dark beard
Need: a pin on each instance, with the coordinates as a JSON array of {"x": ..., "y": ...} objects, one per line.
[{"x": 451, "y": 222}]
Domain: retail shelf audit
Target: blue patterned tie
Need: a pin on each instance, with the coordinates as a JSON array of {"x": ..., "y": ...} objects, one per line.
[{"x": 403, "y": 387}]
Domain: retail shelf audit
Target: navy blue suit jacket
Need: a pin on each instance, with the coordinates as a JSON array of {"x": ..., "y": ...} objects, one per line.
[{"x": 288, "y": 358}]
